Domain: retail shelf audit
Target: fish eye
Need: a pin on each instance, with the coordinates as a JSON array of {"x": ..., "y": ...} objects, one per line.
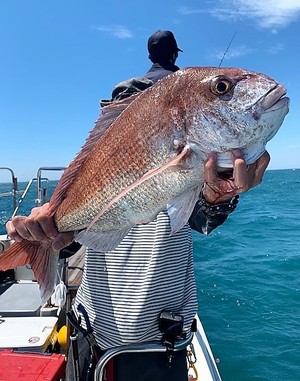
[{"x": 221, "y": 86}]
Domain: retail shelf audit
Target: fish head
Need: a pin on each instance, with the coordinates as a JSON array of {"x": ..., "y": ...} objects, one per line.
[{"x": 234, "y": 108}]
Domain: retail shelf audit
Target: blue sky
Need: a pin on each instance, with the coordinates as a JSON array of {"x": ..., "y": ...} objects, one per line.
[{"x": 60, "y": 57}]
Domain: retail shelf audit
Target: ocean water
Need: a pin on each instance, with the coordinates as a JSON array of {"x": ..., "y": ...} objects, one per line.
[
  {"x": 248, "y": 281},
  {"x": 248, "y": 278}
]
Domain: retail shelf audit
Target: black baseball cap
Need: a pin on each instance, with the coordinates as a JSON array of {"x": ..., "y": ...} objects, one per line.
[{"x": 162, "y": 43}]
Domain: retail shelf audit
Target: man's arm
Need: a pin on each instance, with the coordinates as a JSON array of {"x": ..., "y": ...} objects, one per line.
[
  {"x": 206, "y": 217},
  {"x": 220, "y": 197}
]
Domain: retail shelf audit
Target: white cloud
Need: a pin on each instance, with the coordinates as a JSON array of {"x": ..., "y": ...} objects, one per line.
[
  {"x": 268, "y": 14},
  {"x": 118, "y": 31},
  {"x": 183, "y": 10},
  {"x": 275, "y": 48},
  {"x": 234, "y": 52}
]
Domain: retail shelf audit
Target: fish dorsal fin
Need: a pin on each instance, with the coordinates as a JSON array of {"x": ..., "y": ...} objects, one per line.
[
  {"x": 173, "y": 162},
  {"x": 108, "y": 116},
  {"x": 181, "y": 208}
]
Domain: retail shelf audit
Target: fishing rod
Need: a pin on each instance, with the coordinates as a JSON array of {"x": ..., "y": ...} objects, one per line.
[{"x": 228, "y": 47}]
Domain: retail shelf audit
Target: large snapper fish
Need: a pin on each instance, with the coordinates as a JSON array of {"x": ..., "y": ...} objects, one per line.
[{"x": 147, "y": 153}]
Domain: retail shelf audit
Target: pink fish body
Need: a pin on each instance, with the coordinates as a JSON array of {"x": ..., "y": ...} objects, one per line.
[{"x": 147, "y": 153}]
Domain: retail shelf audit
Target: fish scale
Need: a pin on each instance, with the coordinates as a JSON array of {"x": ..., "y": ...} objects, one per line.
[
  {"x": 147, "y": 153},
  {"x": 118, "y": 164}
]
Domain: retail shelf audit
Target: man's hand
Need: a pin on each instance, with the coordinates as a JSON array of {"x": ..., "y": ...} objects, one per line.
[
  {"x": 218, "y": 188},
  {"x": 38, "y": 226}
]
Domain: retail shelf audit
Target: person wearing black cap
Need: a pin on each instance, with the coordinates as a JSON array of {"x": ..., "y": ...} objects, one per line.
[
  {"x": 150, "y": 275},
  {"x": 163, "y": 52}
]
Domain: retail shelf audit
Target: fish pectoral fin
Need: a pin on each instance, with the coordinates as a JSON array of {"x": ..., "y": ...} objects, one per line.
[
  {"x": 173, "y": 162},
  {"x": 181, "y": 208},
  {"x": 101, "y": 241},
  {"x": 42, "y": 259}
]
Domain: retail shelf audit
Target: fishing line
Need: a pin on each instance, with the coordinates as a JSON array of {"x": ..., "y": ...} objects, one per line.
[{"x": 228, "y": 47}]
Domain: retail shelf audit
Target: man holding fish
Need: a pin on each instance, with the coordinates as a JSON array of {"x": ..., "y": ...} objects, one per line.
[{"x": 132, "y": 277}]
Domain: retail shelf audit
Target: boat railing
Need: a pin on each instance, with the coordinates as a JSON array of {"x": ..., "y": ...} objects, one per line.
[
  {"x": 42, "y": 193},
  {"x": 14, "y": 189},
  {"x": 136, "y": 348}
]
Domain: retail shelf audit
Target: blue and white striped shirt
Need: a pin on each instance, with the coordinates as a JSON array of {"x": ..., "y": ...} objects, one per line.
[{"x": 125, "y": 290}]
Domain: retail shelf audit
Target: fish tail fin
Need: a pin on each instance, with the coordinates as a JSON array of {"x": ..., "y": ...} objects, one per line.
[
  {"x": 15, "y": 255},
  {"x": 42, "y": 260}
]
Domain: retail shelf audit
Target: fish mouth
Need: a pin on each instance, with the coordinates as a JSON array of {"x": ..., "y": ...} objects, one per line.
[
  {"x": 225, "y": 173},
  {"x": 274, "y": 99}
]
